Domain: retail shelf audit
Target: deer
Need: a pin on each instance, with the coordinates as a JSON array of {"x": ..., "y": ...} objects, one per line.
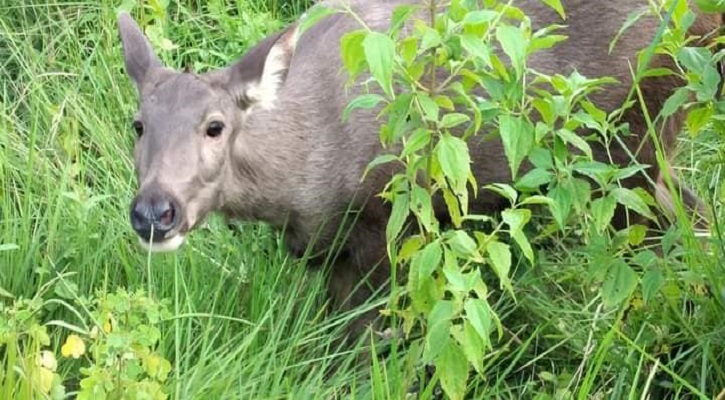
[{"x": 263, "y": 139}]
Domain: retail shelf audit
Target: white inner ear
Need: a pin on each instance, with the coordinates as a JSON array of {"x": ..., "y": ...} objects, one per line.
[{"x": 264, "y": 93}]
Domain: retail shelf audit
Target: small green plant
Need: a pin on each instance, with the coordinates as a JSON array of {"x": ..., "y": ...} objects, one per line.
[
  {"x": 28, "y": 365},
  {"x": 123, "y": 355}
]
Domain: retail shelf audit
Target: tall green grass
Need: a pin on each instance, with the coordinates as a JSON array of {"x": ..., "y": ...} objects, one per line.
[{"x": 249, "y": 321}]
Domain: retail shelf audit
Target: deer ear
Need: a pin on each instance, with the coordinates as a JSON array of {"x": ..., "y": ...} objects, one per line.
[
  {"x": 256, "y": 78},
  {"x": 137, "y": 52}
]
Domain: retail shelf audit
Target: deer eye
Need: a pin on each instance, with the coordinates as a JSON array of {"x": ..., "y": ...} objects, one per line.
[
  {"x": 138, "y": 127},
  {"x": 215, "y": 128}
]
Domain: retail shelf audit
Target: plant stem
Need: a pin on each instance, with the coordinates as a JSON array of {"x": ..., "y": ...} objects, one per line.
[{"x": 432, "y": 9}]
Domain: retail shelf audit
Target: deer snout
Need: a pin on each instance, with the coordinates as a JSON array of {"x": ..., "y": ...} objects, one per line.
[{"x": 153, "y": 217}]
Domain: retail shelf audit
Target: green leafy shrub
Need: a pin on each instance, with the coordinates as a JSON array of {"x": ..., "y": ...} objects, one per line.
[
  {"x": 119, "y": 351},
  {"x": 427, "y": 124}
]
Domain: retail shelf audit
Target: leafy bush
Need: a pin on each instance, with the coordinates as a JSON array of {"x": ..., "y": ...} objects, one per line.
[
  {"x": 427, "y": 125},
  {"x": 122, "y": 333}
]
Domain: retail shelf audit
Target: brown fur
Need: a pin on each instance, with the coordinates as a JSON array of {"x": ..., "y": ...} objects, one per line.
[{"x": 296, "y": 164}]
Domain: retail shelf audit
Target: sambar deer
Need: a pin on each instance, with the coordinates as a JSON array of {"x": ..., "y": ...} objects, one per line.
[{"x": 263, "y": 139}]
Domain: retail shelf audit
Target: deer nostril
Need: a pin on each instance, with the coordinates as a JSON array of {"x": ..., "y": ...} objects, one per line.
[
  {"x": 166, "y": 218},
  {"x": 140, "y": 217}
]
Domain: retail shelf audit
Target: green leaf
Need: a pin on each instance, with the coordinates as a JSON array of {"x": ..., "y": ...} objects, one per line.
[
  {"x": 636, "y": 234},
  {"x": 471, "y": 344},
  {"x": 453, "y": 368},
  {"x": 500, "y": 255},
  {"x": 428, "y": 106},
  {"x": 632, "y": 201},
  {"x": 625, "y": 173},
  {"x": 619, "y": 283},
  {"x": 479, "y": 17},
  {"x": 632, "y": 18},
  {"x": 711, "y": 6},
  {"x": 652, "y": 281},
  {"x": 66, "y": 290},
  {"x": 379, "y": 54},
  {"x": 401, "y": 14},
  {"x": 547, "y": 110},
  {"x": 556, "y": 5},
  {"x": 694, "y": 59},
  {"x": 410, "y": 247},
  {"x": 417, "y": 141},
  {"x": 657, "y": 72},
  {"x": 545, "y": 42},
  {"x": 478, "y": 313},
  {"x": 600, "y": 172},
  {"x": 575, "y": 140},
  {"x": 534, "y": 179},
  {"x": 513, "y": 42},
  {"x": 561, "y": 204},
  {"x": 352, "y": 52},
  {"x": 517, "y": 135},
  {"x": 452, "y": 120},
  {"x": 603, "y": 212},
  {"x": 429, "y": 39},
  {"x": 427, "y": 260},
  {"x": 444, "y": 102},
  {"x": 365, "y": 101},
  {"x": 582, "y": 191},
  {"x": 398, "y": 216},
  {"x": 645, "y": 259},
  {"x": 382, "y": 159},
  {"x": 452, "y": 153},
  {"x": 397, "y": 125},
  {"x": 408, "y": 49},
  {"x": 536, "y": 200},
  {"x": 697, "y": 118},
  {"x": 456, "y": 281},
  {"x": 476, "y": 48},
  {"x": 314, "y": 15},
  {"x": 439, "y": 321},
  {"x": 454, "y": 208},
  {"x": 707, "y": 90},
  {"x": 420, "y": 204},
  {"x": 460, "y": 242},
  {"x": 516, "y": 220},
  {"x": 541, "y": 158},
  {"x": 675, "y": 101},
  {"x": 504, "y": 190}
]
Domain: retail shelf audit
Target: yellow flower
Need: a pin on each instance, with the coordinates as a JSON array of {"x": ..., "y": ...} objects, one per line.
[{"x": 73, "y": 347}]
